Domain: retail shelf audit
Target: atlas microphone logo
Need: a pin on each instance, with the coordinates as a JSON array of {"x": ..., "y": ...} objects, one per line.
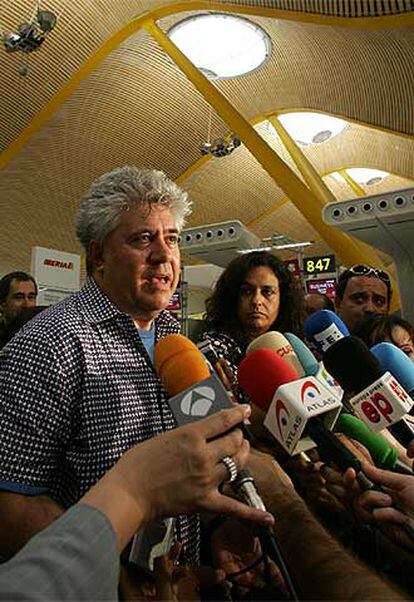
[
  {"x": 309, "y": 392},
  {"x": 198, "y": 402}
]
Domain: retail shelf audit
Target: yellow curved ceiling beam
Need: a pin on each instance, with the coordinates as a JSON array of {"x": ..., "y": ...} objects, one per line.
[
  {"x": 43, "y": 116},
  {"x": 267, "y": 116},
  {"x": 268, "y": 212}
]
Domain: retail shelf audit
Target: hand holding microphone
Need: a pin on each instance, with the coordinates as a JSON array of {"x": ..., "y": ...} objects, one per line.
[{"x": 197, "y": 393}]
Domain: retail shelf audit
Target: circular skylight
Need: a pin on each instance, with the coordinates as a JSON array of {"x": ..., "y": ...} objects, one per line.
[
  {"x": 311, "y": 128},
  {"x": 367, "y": 177},
  {"x": 222, "y": 46}
]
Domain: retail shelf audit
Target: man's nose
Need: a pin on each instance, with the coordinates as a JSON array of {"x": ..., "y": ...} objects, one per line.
[
  {"x": 160, "y": 250},
  {"x": 370, "y": 307}
]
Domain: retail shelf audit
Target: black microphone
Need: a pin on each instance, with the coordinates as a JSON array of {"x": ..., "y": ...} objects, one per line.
[{"x": 378, "y": 398}]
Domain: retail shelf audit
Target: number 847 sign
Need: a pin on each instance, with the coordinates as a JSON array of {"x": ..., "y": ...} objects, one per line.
[{"x": 319, "y": 265}]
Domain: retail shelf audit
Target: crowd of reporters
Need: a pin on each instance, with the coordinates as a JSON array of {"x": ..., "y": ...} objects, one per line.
[{"x": 340, "y": 527}]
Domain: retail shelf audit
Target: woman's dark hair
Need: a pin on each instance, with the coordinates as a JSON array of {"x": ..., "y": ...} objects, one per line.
[
  {"x": 378, "y": 328},
  {"x": 222, "y": 306}
]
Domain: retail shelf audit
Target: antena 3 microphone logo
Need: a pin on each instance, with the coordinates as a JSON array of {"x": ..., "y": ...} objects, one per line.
[
  {"x": 309, "y": 392},
  {"x": 198, "y": 401}
]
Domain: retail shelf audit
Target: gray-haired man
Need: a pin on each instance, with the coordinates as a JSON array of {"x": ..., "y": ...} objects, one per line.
[{"x": 78, "y": 387}]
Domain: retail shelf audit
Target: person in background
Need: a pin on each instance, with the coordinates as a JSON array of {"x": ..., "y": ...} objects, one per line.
[
  {"x": 255, "y": 293},
  {"x": 317, "y": 301},
  {"x": 20, "y": 320},
  {"x": 362, "y": 291},
  {"x": 393, "y": 329},
  {"x": 18, "y": 291}
]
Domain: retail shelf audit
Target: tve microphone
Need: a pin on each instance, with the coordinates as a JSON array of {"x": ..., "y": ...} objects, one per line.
[
  {"x": 196, "y": 396},
  {"x": 278, "y": 343},
  {"x": 379, "y": 400},
  {"x": 384, "y": 455},
  {"x": 323, "y": 328},
  {"x": 305, "y": 356}
]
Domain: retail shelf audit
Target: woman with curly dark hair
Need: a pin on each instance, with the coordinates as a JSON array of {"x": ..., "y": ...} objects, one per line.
[{"x": 255, "y": 293}]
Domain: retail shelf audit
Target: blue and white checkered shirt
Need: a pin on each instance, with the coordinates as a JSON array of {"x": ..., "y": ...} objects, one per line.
[{"x": 77, "y": 389}]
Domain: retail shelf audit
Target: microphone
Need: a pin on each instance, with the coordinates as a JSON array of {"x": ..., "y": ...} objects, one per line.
[
  {"x": 278, "y": 343},
  {"x": 312, "y": 367},
  {"x": 194, "y": 392},
  {"x": 196, "y": 396},
  {"x": 394, "y": 360},
  {"x": 184, "y": 373},
  {"x": 299, "y": 412},
  {"x": 391, "y": 358},
  {"x": 384, "y": 455},
  {"x": 323, "y": 328},
  {"x": 305, "y": 356},
  {"x": 378, "y": 398}
]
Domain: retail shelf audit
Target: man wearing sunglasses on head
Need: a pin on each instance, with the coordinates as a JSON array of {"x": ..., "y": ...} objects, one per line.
[{"x": 362, "y": 291}]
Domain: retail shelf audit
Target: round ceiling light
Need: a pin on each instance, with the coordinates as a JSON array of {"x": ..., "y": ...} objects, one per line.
[
  {"x": 222, "y": 46},
  {"x": 311, "y": 128},
  {"x": 367, "y": 177}
]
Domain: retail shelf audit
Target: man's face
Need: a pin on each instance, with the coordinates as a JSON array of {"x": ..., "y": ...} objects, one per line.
[
  {"x": 139, "y": 263},
  {"x": 22, "y": 294},
  {"x": 363, "y": 295}
]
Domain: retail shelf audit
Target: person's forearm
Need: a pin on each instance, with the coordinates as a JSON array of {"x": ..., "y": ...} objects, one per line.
[
  {"x": 320, "y": 567},
  {"x": 123, "y": 513},
  {"x": 22, "y": 517}
]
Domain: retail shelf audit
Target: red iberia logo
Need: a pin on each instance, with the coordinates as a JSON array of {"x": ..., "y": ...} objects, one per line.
[{"x": 66, "y": 265}]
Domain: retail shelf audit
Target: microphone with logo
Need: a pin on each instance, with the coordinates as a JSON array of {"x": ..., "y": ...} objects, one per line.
[
  {"x": 393, "y": 360},
  {"x": 300, "y": 413},
  {"x": 279, "y": 343},
  {"x": 378, "y": 398},
  {"x": 195, "y": 394},
  {"x": 294, "y": 351},
  {"x": 324, "y": 328}
]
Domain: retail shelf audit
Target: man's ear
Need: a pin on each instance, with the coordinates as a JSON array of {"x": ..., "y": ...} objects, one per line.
[
  {"x": 337, "y": 304},
  {"x": 96, "y": 256}
]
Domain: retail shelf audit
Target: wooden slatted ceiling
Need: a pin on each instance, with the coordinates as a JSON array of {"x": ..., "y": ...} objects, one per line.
[{"x": 138, "y": 108}]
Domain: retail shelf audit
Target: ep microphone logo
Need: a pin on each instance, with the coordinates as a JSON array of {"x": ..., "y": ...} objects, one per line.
[
  {"x": 383, "y": 403},
  {"x": 198, "y": 402}
]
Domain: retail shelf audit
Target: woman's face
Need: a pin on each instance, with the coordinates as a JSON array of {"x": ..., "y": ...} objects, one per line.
[
  {"x": 259, "y": 301},
  {"x": 403, "y": 340}
]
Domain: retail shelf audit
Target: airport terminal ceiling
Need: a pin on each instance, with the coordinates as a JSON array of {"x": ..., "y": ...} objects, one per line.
[{"x": 101, "y": 92}]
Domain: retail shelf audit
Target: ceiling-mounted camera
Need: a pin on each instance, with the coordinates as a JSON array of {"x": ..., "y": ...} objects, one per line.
[
  {"x": 30, "y": 35},
  {"x": 221, "y": 147}
]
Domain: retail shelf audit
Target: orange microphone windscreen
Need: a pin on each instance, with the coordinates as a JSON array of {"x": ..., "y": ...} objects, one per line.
[{"x": 179, "y": 363}]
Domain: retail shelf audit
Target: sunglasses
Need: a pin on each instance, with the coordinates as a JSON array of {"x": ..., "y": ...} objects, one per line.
[{"x": 366, "y": 270}]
